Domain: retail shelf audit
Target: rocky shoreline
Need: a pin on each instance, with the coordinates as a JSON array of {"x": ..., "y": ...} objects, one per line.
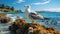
[{"x": 20, "y": 26}]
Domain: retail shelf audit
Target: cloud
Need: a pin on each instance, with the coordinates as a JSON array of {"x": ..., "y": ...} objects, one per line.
[
  {"x": 19, "y": 1},
  {"x": 52, "y": 9},
  {"x": 38, "y": 3}
]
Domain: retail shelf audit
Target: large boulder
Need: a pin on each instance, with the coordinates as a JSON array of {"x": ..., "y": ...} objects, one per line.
[{"x": 20, "y": 26}]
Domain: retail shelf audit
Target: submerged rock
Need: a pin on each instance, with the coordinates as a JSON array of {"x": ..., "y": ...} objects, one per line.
[{"x": 20, "y": 26}]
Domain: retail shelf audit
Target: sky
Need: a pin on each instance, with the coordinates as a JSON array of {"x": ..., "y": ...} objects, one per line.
[{"x": 37, "y": 5}]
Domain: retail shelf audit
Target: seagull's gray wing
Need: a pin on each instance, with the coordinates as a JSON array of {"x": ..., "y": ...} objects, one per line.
[{"x": 35, "y": 16}]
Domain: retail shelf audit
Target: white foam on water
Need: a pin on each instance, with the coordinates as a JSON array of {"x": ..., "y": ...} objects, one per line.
[
  {"x": 4, "y": 32},
  {"x": 8, "y": 15},
  {"x": 13, "y": 18},
  {"x": 4, "y": 28},
  {"x": 58, "y": 22}
]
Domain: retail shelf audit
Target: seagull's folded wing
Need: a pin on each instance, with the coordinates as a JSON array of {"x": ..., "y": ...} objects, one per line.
[{"x": 35, "y": 16}]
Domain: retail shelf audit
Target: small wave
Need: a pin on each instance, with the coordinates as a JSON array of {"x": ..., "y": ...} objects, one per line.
[
  {"x": 4, "y": 32},
  {"x": 8, "y": 15},
  {"x": 13, "y": 18}
]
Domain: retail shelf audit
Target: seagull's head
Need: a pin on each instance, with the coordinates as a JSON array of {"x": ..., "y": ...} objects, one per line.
[{"x": 26, "y": 6}]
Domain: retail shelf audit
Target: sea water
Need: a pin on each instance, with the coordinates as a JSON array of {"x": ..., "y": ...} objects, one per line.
[{"x": 54, "y": 22}]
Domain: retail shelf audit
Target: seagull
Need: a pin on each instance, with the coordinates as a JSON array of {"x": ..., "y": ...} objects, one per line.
[{"x": 33, "y": 15}]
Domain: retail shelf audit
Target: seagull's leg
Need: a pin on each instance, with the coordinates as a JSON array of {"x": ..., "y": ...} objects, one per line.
[{"x": 32, "y": 21}]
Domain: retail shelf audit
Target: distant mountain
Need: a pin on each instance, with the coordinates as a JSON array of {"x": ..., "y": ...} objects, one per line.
[
  {"x": 46, "y": 11},
  {"x": 42, "y": 11}
]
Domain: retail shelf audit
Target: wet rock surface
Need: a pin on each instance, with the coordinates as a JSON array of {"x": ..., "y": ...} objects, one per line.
[
  {"x": 20, "y": 26},
  {"x": 3, "y": 18}
]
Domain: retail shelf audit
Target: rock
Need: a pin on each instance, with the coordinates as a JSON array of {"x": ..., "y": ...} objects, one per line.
[
  {"x": 3, "y": 18},
  {"x": 24, "y": 27},
  {"x": 30, "y": 30}
]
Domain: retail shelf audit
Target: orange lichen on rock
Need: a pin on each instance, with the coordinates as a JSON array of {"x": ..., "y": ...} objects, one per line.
[
  {"x": 20, "y": 26},
  {"x": 2, "y": 15}
]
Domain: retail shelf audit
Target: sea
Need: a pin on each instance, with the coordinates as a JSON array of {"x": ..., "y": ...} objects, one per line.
[{"x": 53, "y": 22}]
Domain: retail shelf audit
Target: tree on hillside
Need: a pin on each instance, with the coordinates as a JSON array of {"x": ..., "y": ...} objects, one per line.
[
  {"x": 3, "y": 6},
  {"x": 7, "y": 7},
  {"x": 0, "y": 6},
  {"x": 12, "y": 8},
  {"x": 19, "y": 11}
]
